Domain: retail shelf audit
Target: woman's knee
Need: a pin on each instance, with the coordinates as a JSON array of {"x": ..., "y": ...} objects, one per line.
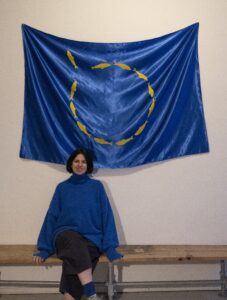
[{"x": 85, "y": 276}]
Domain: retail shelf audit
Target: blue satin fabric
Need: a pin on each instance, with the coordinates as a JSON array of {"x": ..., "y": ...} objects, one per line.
[{"x": 112, "y": 103}]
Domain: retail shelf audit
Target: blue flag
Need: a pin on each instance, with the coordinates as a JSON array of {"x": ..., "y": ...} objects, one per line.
[{"x": 129, "y": 103}]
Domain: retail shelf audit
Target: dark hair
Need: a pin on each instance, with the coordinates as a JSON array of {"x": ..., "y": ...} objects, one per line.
[{"x": 88, "y": 158}]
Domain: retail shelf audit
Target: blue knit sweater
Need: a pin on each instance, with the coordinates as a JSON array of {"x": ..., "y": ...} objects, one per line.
[{"x": 80, "y": 204}]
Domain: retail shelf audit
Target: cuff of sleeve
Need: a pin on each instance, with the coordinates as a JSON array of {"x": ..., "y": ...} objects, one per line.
[
  {"x": 43, "y": 254},
  {"x": 113, "y": 254}
]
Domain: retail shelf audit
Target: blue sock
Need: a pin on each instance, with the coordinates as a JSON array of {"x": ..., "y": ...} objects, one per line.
[{"x": 89, "y": 289}]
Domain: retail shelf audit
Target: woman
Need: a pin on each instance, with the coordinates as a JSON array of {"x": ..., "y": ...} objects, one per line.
[{"x": 79, "y": 227}]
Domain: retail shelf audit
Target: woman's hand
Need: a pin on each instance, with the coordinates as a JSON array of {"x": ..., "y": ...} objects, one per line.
[{"x": 38, "y": 260}]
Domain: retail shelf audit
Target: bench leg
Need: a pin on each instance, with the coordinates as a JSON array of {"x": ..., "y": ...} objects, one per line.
[
  {"x": 110, "y": 284},
  {"x": 223, "y": 279}
]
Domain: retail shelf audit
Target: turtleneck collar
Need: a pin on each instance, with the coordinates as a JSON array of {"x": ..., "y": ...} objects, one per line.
[{"x": 77, "y": 179}]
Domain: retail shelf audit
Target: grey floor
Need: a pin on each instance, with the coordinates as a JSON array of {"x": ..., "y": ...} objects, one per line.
[{"x": 192, "y": 295}]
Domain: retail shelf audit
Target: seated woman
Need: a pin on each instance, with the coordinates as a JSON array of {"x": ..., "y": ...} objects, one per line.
[{"x": 79, "y": 226}]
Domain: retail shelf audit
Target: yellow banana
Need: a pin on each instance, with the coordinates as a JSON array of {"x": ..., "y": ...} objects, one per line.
[
  {"x": 73, "y": 89},
  {"x": 101, "y": 66},
  {"x": 73, "y": 109},
  {"x": 150, "y": 90},
  {"x": 83, "y": 128},
  {"x": 71, "y": 58},
  {"x": 124, "y": 141},
  {"x": 102, "y": 141},
  {"x": 141, "y": 75},
  {"x": 141, "y": 129},
  {"x": 151, "y": 108},
  {"x": 123, "y": 66}
]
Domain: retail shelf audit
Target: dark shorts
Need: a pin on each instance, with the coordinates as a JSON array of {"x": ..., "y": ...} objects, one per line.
[{"x": 77, "y": 254}]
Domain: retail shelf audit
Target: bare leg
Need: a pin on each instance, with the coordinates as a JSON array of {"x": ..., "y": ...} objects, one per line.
[
  {"x": 68, "y": 297},
  {"x": 85, "y": 276}
]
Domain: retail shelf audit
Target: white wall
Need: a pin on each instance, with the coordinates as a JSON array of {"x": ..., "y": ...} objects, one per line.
[{"x": 181, "y": 201}]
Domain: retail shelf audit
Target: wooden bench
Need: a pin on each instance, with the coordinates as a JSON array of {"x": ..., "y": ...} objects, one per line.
[{"x": 21, "y": 255}]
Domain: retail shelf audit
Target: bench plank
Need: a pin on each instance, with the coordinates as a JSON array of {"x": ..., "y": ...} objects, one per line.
[{"x": 23, "y": 254}]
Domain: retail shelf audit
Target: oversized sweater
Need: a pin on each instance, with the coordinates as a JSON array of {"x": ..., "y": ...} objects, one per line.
[{"x": 80, "y": 204}]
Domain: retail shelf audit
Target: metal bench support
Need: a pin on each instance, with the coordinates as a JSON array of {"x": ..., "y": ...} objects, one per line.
[
  {"x": 110, "y": 284},
  {"x": 223, "y": 279}
]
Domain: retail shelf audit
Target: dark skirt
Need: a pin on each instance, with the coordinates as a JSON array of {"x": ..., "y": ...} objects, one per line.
[{"x": 78, "y": 254}]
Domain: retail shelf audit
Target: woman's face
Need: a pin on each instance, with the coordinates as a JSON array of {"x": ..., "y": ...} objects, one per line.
[{"x": 79, "y": 165}]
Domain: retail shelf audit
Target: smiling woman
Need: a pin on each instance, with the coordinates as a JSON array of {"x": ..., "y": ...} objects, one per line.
[
  {"x": 79, "y": 165},
  {"x": 79, "y": 227}
]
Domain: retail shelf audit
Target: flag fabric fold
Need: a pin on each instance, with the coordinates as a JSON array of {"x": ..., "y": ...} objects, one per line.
[{"x": 129, "y": 103}]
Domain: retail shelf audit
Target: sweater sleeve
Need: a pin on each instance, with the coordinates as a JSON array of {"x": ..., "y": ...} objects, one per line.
[
  {"x": 45, "y": 245},
  {"x": 110, "y": 238}
]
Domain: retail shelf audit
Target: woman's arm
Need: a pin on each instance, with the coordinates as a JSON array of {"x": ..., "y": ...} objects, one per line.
[
  {"x": 110, "y": 238},
  {"x": 45, "y": 240}
]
